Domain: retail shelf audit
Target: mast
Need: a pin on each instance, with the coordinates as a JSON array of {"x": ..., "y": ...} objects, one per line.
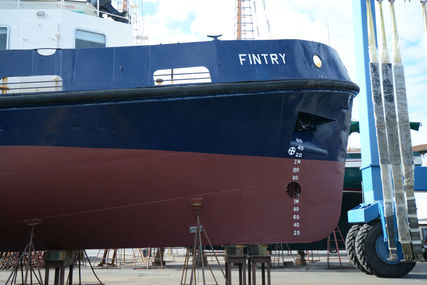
[
  {"x": 125, "y": 5},
  {"x": 244, "y": 23},
  {"x": 239, "y": 19}
]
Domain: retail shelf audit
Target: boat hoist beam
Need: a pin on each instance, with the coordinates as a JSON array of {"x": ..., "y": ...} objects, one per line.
[{"x": 389, "y": 209}]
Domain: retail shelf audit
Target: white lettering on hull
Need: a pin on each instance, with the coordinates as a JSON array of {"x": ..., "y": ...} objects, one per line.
[{"x": 262, "y": 58}]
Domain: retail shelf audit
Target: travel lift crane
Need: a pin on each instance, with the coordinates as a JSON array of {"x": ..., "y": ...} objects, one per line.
[{"x": 385, "y": 239}]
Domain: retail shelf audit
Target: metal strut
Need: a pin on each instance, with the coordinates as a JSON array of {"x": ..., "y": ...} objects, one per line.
[
  {"x": 197, "y": 251},
  {"x": 26, "y": 262}
]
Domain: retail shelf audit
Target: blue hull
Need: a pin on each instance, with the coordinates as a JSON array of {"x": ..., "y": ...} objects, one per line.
[
  {"x": 263, "y": 143},
  {"x": 134, "y": 67},
  {"x": 261, "y": 121}
]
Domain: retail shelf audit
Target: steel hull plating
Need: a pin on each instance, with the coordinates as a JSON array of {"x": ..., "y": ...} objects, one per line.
[
  {"x": 122, "y": 173},
  {"x": 113, "y": 198}
]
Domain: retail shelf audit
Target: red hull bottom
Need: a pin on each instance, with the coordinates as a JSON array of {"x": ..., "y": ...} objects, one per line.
[{"x": 112, "y": 198}]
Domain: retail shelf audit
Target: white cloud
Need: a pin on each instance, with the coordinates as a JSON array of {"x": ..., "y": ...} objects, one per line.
[
  {"x": 189, "y": 20},
  {"x": 215, "y": 18}
]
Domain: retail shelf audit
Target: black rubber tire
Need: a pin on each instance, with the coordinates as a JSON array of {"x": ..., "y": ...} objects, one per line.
[
  {"x": 367, "y": 255},
  {"x": 350, "y": 241}
]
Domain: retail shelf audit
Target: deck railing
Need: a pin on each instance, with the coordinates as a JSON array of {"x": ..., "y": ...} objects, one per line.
[
  {"x": 30, "y": 84},
  {"x": 62, "y": 4}
]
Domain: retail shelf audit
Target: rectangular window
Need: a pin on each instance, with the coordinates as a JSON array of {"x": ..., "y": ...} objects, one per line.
[
  {"x": 3, "y": 38},
  {"x": 186, "y": 75},
  {"x": 85, "y": 39},
  {"x": 30, "y": 84}
]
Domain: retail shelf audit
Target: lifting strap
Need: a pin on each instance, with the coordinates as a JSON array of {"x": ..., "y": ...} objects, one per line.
[
  {"x": 406, "y": 152},
  {"x": 381, "y": 136},
  {"x": 393, "y": 143}
]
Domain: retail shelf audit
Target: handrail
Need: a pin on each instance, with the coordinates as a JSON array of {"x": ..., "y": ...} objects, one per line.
[{"x": 19, "y": 3}]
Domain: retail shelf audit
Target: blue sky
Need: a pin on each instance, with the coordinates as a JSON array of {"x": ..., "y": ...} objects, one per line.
[{"x": 327, "y": 21}]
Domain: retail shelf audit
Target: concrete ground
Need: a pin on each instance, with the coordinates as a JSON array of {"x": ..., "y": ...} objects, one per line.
[{"x": 315, "y": 272}]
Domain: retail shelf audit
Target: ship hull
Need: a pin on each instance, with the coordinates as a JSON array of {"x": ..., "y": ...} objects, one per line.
[
  {"x": 111, "y": 198},
  {"x": 122, "y": 172}
]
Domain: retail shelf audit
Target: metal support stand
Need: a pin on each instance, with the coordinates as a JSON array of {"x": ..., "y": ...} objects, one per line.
[
  {"x": 279, "y": 256},
  {"x": 241, "y": 262},
  {"x": 197, "y": 251},
  {"x": 158, "y": 257},
  {"x": 59, "y": 260},
  {"x": 300, "y": 260},
  {"x": 252, "y": 262},
  {"x": 337, "y": 237},
  {"x": 8, "y": 260},
  {"x": 25, "y": 263},
  {"x": 311, "y": 256}
]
